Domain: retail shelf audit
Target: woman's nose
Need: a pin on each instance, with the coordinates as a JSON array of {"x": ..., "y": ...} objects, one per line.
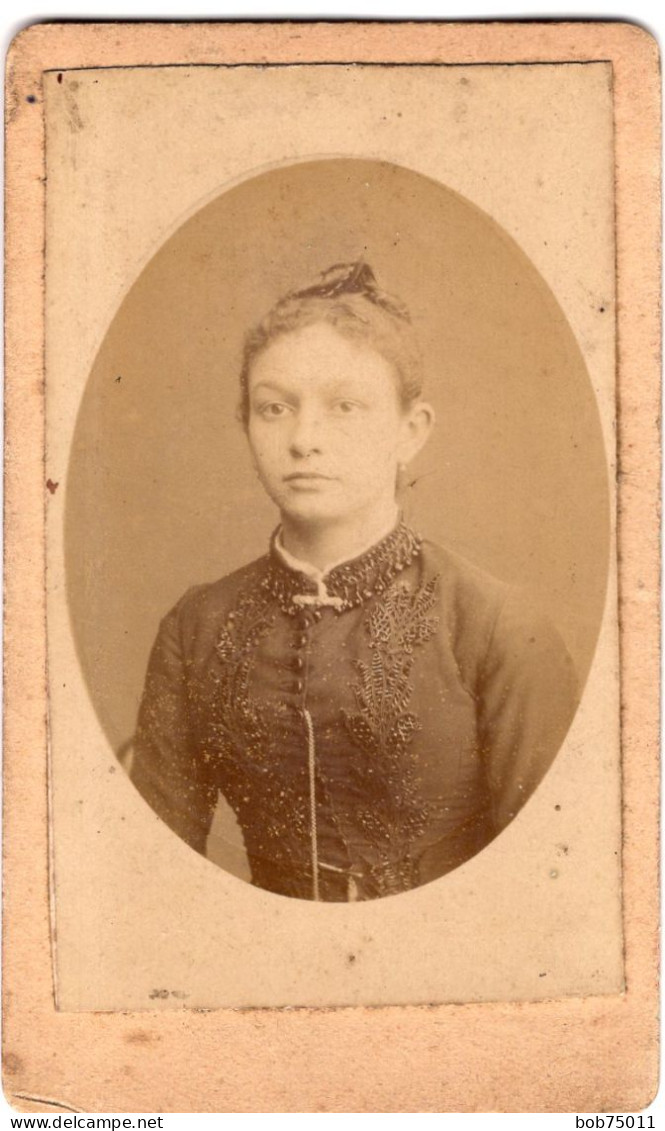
[{"x": 305, "y": 435}]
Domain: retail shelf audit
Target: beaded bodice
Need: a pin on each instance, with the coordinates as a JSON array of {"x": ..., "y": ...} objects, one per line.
[
  {"x": 315, "y": 728},
  {"x": 371, "y": 730}
]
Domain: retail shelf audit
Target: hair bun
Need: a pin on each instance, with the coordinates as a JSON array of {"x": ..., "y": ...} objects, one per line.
[
  {"x": 340, "y": 279},
  {"x": 352, "y": 279}
]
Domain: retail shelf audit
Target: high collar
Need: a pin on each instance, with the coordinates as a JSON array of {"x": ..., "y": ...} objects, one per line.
[
  {"x": 348, "y": 584},
  {"x": 301, "y": 565}
]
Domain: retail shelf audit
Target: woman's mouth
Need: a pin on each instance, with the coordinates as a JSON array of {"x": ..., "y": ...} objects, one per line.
[
  {"x": 307, "y": 479},
  {"x": 296, "y": 475}
]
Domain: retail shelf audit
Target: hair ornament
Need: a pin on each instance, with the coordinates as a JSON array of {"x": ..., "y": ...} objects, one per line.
[{"x": 353, "y": 279}]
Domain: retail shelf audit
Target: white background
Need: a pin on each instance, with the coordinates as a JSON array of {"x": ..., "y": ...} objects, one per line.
[{"x": 651, "y": 15}]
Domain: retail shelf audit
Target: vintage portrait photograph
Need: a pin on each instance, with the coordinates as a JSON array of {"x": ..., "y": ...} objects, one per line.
[
  {"x": 373, "y": 706},
  {"x": 335, "y": 618},
  {"x": 332, "y": 544}
]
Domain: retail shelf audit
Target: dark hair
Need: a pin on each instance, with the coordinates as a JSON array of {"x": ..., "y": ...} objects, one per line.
[{"x": 347, "y": 297}]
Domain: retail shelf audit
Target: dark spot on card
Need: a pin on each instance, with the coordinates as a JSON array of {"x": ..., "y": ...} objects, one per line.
[
  {"x": 139, "y": 1037},
  {"x": 12, "y": 1062},
  {"x": 31, "y": 98},
  {"x": 53, "y": 487}
]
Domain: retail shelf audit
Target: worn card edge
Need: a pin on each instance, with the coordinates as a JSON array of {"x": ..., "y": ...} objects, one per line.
[{"x": 634, "y": 56}]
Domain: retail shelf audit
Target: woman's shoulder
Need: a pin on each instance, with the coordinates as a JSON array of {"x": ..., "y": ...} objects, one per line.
[
  {"x": 491, "y": 618},
  {"x": 213, "y": 600},
  {"x": 463, "y": 584}
]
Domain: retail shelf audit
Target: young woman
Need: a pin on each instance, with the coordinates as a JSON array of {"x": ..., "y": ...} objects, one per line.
[{"x": 373, "y": 707}]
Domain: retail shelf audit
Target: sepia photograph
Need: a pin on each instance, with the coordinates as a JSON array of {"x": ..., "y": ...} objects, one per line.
[
  {"x": 337, "y": 586},
  {"x": 331, "y": 551},
  {"x": 373, "y": 706}
]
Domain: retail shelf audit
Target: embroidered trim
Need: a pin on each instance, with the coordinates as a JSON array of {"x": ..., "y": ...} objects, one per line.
[
  {"x": 347, "y": 585},
  {"x": 240, "y": 715},
  {"x": 254, "y": 783},
  {"x": 383, "y": 727}
]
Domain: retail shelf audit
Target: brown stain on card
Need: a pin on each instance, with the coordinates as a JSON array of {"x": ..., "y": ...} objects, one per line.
[
  {"x": 74, "y": 119},
  {"x": 12, "y": 1063},
  {"x": 140, "y": 1037}
]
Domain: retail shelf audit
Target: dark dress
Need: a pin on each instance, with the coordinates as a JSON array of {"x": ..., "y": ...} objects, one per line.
[{"x": 369, "y": 739}]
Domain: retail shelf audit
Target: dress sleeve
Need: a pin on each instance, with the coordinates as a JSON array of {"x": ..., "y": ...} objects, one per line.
[
  {"x": 527, "y": 698},
  {"x": 167, "y": 768}
]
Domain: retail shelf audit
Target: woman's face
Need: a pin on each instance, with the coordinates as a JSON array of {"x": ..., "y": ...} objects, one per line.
[{"x": 326, "y": 426}]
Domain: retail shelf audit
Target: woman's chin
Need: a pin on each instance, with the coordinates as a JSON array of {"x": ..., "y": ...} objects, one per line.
[
  {"x": 314, "y": 516},
  {"x": 314, "y": 509}
]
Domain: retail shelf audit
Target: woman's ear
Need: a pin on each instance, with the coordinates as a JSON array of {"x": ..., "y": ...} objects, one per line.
[{"x": 417, "y": 425}]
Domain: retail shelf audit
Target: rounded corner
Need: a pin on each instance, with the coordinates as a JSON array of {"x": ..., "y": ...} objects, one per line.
[
  {"x": 640, "y": 32},
  {"x": 20, "y": 41}
]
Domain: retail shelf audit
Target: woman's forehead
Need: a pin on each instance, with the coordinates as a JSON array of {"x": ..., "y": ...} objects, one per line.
[{"x": 319, "y": 355}]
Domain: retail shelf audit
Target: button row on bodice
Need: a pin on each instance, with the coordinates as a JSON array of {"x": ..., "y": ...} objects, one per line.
[
  {"x": 304, "y": 622},
  {"x": 306, "y": 618}
]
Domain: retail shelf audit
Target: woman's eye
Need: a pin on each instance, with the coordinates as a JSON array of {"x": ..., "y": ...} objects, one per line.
[
  {"x": 273, "y": 409},
  {"x": 345, "y": 408}
]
